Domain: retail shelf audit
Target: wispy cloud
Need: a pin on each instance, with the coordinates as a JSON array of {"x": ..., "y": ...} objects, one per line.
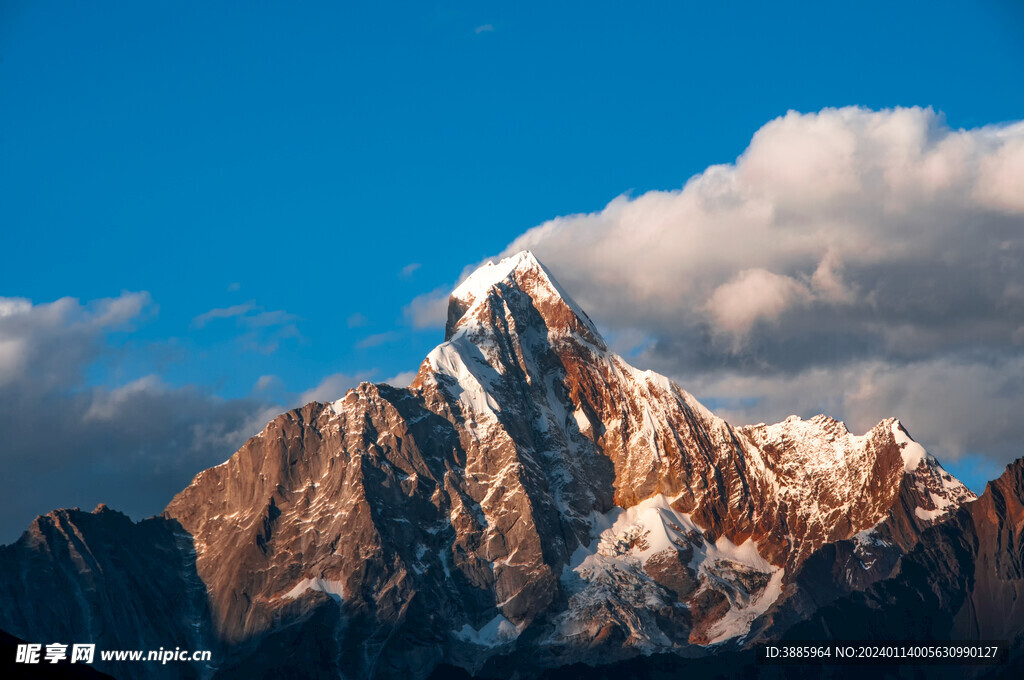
[
  {"x": 267, "y": 383},
  {"x": 223, "y": 313},
  {"x": 400, "y": 380},
  {"x": 65, "y": 442},
  {"x": 409, "y": 269},
  {"x": 333, "y": 387},
  {"x": 265, "y": 328},
  {"x": 377, "y": 339},
  {"x": 357, "y": 320},
  {"x": 46, "y": 346},
  {"x": 273, "y": 318},
  {"x": 429, "y": 310},
  {"x": 485, "y": 28}
]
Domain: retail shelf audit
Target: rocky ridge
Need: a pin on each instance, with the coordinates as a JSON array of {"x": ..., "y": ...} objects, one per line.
[{"x": 530, "y": 497}]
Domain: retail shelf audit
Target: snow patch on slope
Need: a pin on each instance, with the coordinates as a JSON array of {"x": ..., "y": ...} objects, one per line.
[
  {"x": 943, "y": 492},
  {"x": 334, "y": 589},
  {"x": 912, "y": 452},
  {"x": 737, "y": 620},
  {"x": 473, "y": 381},
  {"x": 489, "y": 274},
  {"x": 495, "y": 632},
  {"x": 928, "y": 514},
  {"x": 627, "y": 538}
]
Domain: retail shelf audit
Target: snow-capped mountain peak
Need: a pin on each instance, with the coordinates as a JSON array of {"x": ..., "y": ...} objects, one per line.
[
  {"x": 473, "y": 303},
  {"x": 532, "y": 494}
]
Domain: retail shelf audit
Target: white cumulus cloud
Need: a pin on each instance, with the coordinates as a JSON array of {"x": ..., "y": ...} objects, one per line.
[{"x": 840, "y": 244}]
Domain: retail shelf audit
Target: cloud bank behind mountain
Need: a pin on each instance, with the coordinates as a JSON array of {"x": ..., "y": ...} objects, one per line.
[{"x": 861, "y": 263}]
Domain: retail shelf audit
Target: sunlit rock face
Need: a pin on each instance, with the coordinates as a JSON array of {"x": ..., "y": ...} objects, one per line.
[{"x": 530, "y": 501}]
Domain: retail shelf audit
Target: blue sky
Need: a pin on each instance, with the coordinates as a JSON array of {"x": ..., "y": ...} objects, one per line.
[{"x": 314, "y": 169}]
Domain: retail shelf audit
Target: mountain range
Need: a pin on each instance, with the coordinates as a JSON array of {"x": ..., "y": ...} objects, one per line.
[{"x": 531, "y": 502}]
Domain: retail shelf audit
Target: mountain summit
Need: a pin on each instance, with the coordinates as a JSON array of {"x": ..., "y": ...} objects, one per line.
[
  {"x": 530, "y": 501},
  {"x": 472, "y": 303}
]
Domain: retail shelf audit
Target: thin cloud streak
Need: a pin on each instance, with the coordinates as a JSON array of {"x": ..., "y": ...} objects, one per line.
[
  {"x": 222, "y": 313},
  {"x": 333, "y": 387},
  {"x": 266, "y": 329},
  {"x": 378, "y": 339}
]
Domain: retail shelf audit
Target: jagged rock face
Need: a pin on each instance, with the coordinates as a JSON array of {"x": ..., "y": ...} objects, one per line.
[
  {"x": 79, "y": 577},
  {"x": 830, "y": 484},
  {"x": 995, "y": 607},
  {"x": 532, "y": 497},
  {"x": 352, "y": 504},
  {"x": 961, "y": 581},
  {"x": 487, "y": 500}
]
